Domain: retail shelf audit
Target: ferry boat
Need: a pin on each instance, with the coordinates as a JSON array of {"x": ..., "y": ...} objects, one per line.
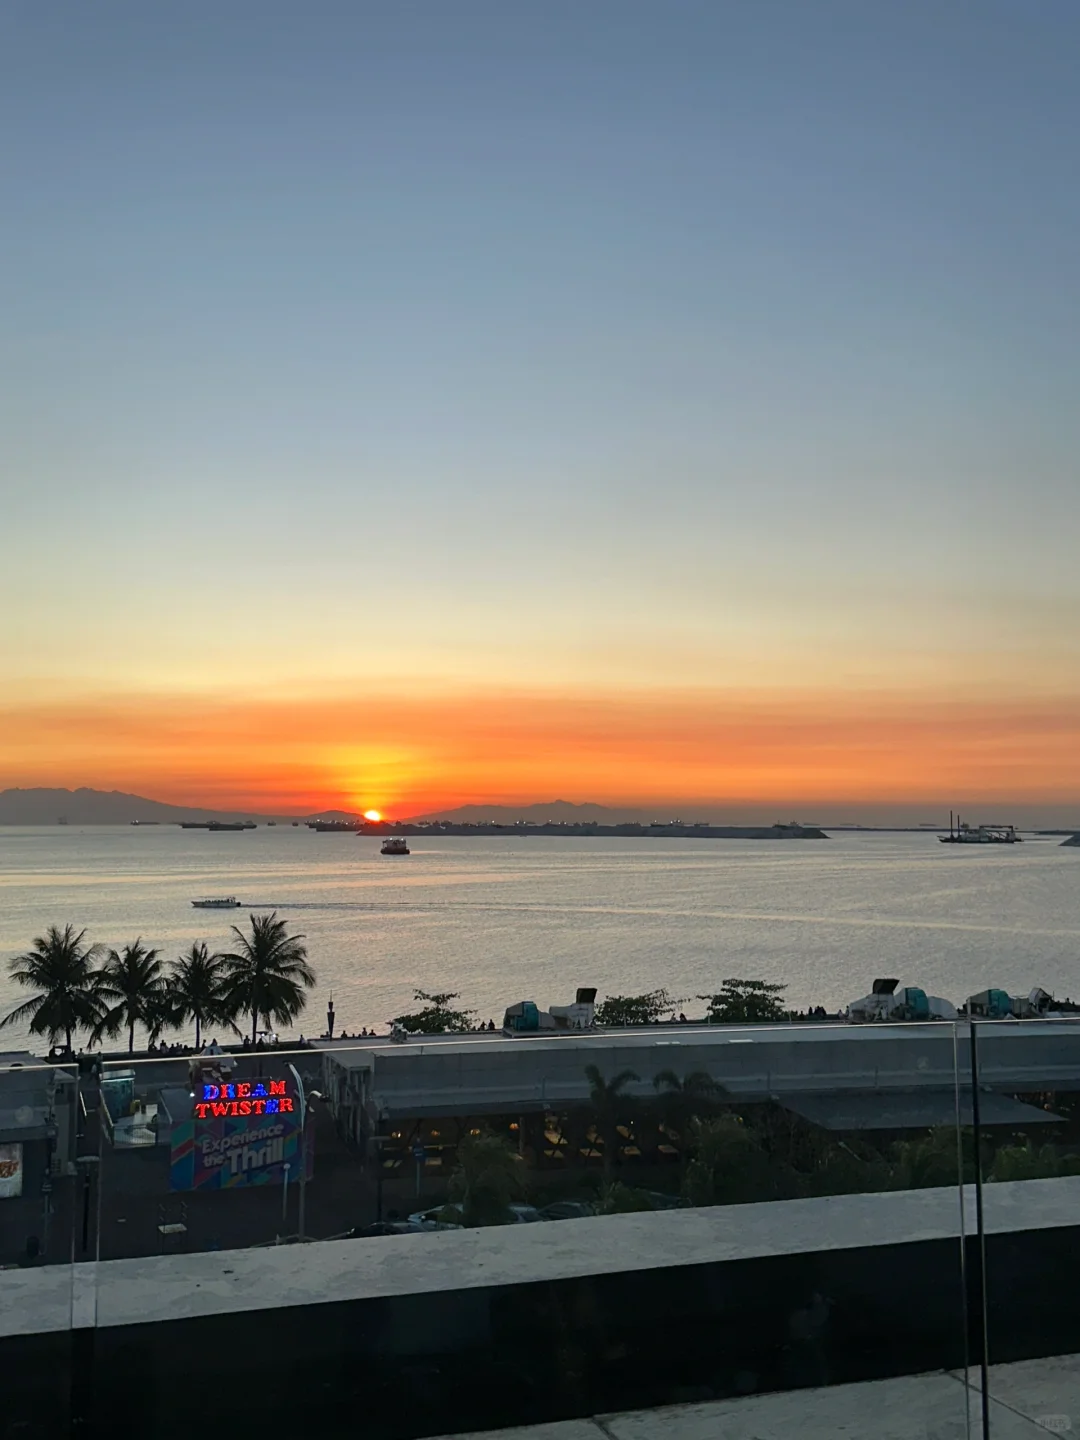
[
  {"x": 395, "y": 845},
  {"x": 224, "y": 902}
]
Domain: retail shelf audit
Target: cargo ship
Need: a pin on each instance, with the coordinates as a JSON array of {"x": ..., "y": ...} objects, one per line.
[{"x": 961, "y": 833}]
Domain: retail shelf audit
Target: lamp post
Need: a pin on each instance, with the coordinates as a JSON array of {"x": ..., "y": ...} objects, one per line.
[{"x": 303, "y": 1097}]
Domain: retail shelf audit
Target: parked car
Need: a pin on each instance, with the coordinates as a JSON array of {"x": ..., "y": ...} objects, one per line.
[
  {"x": 425, "y": 1220},
  {"x": 432, "y": 1219},
  {"x": 525, "y": 1214},
  {"x": 567, "y": 1210},
  {"x": 381, "y": 1227}
]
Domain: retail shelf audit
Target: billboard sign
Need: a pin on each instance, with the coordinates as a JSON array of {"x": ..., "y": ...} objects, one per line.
[
  {"x": 241, "y": 1133},
  {"x": 11, "y": 1171}
]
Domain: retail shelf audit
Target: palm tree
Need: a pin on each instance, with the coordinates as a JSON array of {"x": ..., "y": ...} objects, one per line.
[
  {"x": 487, "y": 1177},
  {"x": 608, "y": 1103},
  {"x": 683, "y": 1098},
  {"x": 132, "y": 980},
  {"x": 196, "y": 989},
  {"x": 267, "y": 975},
  {"x": 61, "y": 969}
]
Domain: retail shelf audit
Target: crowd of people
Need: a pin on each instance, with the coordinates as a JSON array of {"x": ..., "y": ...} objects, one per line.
[{"x": 373, "y": 1034}]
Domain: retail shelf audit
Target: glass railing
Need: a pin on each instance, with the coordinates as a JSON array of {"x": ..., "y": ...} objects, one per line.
[
  {"x": 461, "y": 1233},
  {"x": 1027, "y": 1307},
  {"x": 43, "y": 1307}
]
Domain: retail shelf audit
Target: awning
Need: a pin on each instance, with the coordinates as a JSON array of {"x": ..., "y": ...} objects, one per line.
[{"x": 911, "y": 1110}]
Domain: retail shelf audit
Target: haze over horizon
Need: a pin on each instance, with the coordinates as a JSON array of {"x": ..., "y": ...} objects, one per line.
[{"x": 422, "y": 405}]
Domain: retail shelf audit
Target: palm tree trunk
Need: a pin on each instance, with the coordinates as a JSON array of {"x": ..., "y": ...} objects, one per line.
[
  {"x": 198, "y": 1030},
  {"x": 254, "y": 1028},
  {"x": 67, "y": 1033},
  {"x": 131, "y": 1038}
]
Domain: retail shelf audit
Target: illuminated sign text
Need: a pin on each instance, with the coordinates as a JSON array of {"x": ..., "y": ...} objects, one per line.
[{"x": 245, "y": 1097}]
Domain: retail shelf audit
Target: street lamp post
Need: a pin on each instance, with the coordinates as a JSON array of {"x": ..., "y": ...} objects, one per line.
[{"x": 303, "y": 1097}]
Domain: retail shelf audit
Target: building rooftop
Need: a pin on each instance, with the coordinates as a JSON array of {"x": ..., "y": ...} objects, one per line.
[
  {"x": 649, "y": 1037},
  {"x": 496, "y": 1074}
]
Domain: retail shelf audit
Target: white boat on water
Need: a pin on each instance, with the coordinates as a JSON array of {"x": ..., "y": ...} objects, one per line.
[
  {"x": 224, "y": 902},
  {"x": 395, "y": 845}
]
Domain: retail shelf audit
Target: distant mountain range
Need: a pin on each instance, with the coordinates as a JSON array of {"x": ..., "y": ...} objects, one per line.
[
  {"x": 114, "y": 807},
  {"x": 101, "y": 807}
]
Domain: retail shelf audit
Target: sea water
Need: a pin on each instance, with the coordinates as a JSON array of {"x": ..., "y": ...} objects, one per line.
[{"x": 500, "y": 920}]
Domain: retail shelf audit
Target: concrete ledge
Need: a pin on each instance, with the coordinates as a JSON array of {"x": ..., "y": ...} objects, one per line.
[
  {"x": 232, "y": 1281},
  {"x": 606, "y": 1317}
]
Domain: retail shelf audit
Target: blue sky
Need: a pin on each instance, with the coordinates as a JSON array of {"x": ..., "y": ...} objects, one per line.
[{"x": 723, "y": 343}]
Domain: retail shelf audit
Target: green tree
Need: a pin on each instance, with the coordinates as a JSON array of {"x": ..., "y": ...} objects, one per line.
[
  {"x": 196, "y": 990},
  {"x": 437, "y": 1016},
  {"x": 487, "y": 1177},
  {"x": 130, "y": 988},
  {"x": 681, "y": 1099},
  {"x": 609, "y": 1106},
  {"x": 729, "y": 1165},
  {"x": 619, "y": 1199},
  {"x": 844, "y": 1167},
  {"x": 61, "y": 969},
  {"x": 931, "y": 1160},
  {"x": 267, "y": 975},
  {"x": 745, "y": 1002},
  {"x": 634, "y": 1009},
  {"x": 1031, "y": 1162}
]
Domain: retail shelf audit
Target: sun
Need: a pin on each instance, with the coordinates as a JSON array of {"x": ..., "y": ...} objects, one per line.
[{"x": 372, "y": 815}]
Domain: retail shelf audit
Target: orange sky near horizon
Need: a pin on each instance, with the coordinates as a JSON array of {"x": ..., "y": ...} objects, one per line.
[{"x": 407, "y": 755}]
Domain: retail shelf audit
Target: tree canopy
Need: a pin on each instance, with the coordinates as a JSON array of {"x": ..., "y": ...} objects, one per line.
[
  {"x": 488, "y": 1176},
  {"x": 130, "y": 989},
  {"x": 437, "y": 1016},
  {"x": 634, "y": 1009},
  {"x": 61, "y": 969},
  {"x": 196, "y": 990},
  {"x": 266, "y": 976},
  {"x": 744, "y": 1002}
]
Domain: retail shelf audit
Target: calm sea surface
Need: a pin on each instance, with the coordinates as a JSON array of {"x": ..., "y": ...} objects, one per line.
[{"x": 504, "y": 920}]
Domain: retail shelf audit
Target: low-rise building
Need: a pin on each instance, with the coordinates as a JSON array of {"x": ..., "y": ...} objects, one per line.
[
  {"x": 841, "y": 1077},
  {"x": 37, "y": 1150}
]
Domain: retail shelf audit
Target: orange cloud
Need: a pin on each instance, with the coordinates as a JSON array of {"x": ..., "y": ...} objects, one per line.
[{"x": 406, "y": 754}]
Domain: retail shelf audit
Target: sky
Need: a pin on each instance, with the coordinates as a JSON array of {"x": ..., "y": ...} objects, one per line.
[{"x": 404, "y": 405}]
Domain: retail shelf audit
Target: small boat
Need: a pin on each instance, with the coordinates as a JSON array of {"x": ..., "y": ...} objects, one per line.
[
  {"x": 225, "y": 902},
  {"x": 395, "y": 845}
]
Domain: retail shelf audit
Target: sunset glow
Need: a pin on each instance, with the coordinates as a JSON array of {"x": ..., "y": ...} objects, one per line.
[
  {"x": 723, "y": 750},
  {"x": 373, "y": 815}
]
